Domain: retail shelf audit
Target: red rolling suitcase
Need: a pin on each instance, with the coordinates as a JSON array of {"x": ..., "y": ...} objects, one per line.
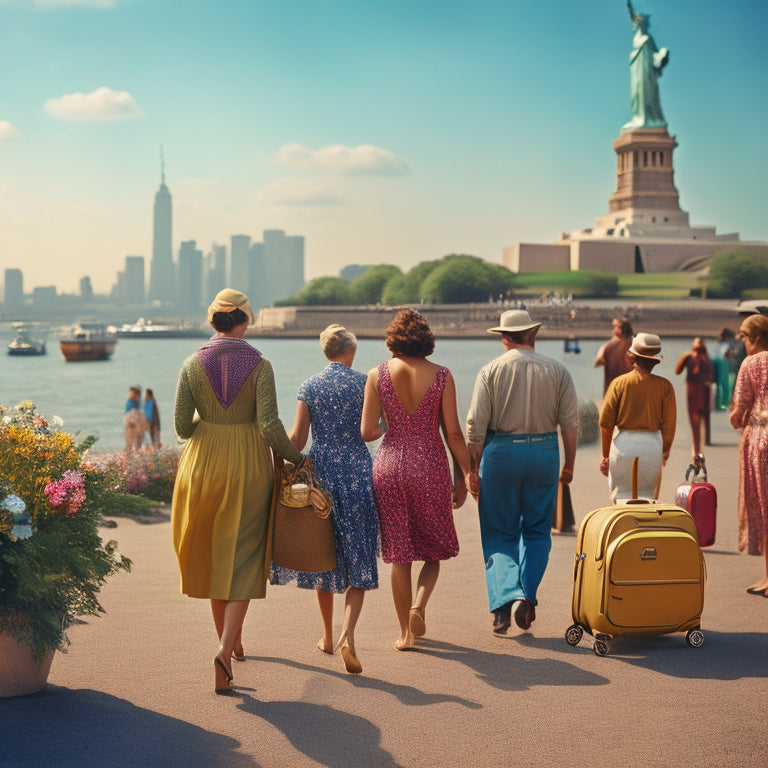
[{"x": 699, "y": 499}]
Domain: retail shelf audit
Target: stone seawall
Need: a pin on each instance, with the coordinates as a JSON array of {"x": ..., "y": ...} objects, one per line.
[{"x": 559, "y": 321}]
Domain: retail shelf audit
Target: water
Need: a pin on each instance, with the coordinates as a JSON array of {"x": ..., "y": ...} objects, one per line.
[{"x": 90, "y": 396}]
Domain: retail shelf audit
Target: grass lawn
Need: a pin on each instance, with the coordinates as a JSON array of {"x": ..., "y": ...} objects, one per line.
[{"x": 583, "y": 284}]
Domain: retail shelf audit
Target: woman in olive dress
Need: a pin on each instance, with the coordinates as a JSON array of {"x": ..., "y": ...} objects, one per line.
[{"x": 226, "y": 410}]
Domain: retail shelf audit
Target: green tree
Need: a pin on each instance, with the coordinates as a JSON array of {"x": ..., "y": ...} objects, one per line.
[
  {"x": 461, "y": 279},
  {"x": 732, "y": 272},
  {"x": 406, "y": 289},
  {"x": 322, "y": 291},
  {"x": 369, "y": 287}
]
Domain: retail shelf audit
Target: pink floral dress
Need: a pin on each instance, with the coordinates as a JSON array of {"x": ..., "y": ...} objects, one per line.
[
  {"x": 412, "y": 478},
  {"x": 751, "y": 396}
]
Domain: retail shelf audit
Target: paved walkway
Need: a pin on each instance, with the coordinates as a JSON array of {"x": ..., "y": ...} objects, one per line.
[{"x": 135, "y": 688}]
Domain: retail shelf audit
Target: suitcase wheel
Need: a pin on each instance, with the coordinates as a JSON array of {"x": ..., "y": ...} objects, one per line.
[
  {"x": 573, "y": 634},
  {"x": 695, "y": 638},
  {"x": 602, "y": 645}
]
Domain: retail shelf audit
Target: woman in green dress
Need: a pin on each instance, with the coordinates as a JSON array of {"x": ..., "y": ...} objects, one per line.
[{"x": 226, "y": 410}]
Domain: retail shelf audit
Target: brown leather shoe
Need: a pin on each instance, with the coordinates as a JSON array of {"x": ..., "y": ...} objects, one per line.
[
  {"x": 524, "y": 614},
  {"x": 502, "y": 619}
]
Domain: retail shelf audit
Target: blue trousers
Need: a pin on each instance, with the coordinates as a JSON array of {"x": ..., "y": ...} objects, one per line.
[{"x": 518, "y": 489}]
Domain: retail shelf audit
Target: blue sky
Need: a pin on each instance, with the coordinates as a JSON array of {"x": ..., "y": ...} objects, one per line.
[{"x": 383, "y": 132}]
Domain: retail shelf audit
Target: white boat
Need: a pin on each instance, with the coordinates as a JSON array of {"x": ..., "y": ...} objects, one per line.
[
  {"x": 27, "y": 341},
  {"x": 147, "y": 329},
  {"x": 89, "y": 340}
]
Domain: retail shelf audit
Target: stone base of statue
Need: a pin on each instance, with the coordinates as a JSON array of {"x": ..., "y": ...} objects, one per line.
[{"x": 645, "y": 194}]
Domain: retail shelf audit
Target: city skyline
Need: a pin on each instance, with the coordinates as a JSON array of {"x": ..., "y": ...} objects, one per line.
[{"x": 392, "y": 134}]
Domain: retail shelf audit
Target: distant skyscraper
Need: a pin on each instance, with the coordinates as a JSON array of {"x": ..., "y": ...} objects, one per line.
[
  {"x": 283, "y": 264},
  {"x": 86, "y": 288},
  {"x": 13, "y": 300},
  {"x": 239, "y": 255},
  {"x": 190, "y": 278},
  {"x": 161, "y": 281},
  {"x": 258, "y": 287},
  {"x": 216, "y": 271},
  {"x": 134, "y": 279}
]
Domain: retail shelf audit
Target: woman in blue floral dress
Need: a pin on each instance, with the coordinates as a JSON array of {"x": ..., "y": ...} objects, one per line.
[{"x": 331, "y": 404}]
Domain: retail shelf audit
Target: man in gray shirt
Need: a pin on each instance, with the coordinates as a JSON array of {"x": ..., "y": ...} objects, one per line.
[{"x": 518, "y": 402}]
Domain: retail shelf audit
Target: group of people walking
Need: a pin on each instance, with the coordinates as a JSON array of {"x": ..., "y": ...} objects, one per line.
[{"x": 226, "y": 410}]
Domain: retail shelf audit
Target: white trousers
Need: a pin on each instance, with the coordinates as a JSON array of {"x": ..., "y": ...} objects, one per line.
[{"x": 626, "y": 446}]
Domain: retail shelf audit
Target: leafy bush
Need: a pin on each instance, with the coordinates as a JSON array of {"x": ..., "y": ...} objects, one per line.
[{"x": 733, "y": 272}]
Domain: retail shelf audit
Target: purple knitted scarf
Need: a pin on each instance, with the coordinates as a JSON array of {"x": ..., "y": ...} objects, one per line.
[{"x": 227, "y": 363}]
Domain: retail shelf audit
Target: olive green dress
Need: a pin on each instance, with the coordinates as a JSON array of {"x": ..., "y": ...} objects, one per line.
[{"x": 223, "y": 491}]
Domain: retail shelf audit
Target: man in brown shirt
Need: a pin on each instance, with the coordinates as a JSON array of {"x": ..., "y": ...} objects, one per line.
[
  {"x": 642, "y": 407},
  {"x": 613, "y": 354}
]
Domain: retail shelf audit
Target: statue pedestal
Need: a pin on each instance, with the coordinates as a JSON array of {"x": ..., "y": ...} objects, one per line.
[{"x": 645, "y": 173}]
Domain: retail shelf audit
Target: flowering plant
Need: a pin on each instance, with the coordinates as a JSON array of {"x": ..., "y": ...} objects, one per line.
[
  {"x": 149, "y": 472},
  {"x": 52, "y": 560}
]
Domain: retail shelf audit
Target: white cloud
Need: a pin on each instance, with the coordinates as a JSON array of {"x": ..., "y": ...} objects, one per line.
[
  {"x": 363, "y": 160},
  {"x": 101, "y": 104},
  {"x": 297, "y": 192},
  {"x": 7, "y": 131}
]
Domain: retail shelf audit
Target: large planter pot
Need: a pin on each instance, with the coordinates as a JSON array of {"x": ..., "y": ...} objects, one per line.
[{"x": 19, "y": 673}]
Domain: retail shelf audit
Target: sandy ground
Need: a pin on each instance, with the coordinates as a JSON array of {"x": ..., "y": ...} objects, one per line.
[{"x": 136, "y": 687}]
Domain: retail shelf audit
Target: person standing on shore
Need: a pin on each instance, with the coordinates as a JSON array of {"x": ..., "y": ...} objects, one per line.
[
  {"x": 152, "y": 414},
  {"x": 613, "y": 354},
  {"x": 134, "y": 422},
  {"x": 518, "y": 402},
  {"x": 750, "y": 415}
]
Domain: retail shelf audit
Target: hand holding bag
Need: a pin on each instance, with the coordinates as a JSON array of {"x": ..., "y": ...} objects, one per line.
[{"x": 303, "y": 538}]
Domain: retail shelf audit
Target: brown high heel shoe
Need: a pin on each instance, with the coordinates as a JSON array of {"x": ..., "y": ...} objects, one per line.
[{"x": 222, "y": 676}]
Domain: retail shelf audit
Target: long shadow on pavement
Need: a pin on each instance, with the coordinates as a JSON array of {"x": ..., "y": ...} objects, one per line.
[
  {"x": 324, "y": 734},
  {"x": 724, "y": 655},
  {"x": 64, "y": 728},
  {"x": 512, "y": 673},
  {"x": 406, "y": 694}
]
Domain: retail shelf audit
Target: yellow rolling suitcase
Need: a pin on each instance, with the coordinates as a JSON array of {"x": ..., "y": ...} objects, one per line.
[{"x": 638, "y": 571}]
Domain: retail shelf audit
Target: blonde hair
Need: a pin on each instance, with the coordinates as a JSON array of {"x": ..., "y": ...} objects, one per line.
[
  {"x": 336, "y": 340},
  {"x": 756, "y": 327}
]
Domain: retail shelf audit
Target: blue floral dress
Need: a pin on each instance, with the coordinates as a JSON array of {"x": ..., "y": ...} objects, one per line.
[{"x": 342, "y": 465}]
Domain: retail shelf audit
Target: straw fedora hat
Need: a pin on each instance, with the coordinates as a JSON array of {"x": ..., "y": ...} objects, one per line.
[
  {"x": 514, "y": 320},
  {"x": 646, "y": 345}
]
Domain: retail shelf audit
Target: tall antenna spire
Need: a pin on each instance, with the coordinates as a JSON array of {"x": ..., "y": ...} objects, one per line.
[{"x": 162, "y": 165}]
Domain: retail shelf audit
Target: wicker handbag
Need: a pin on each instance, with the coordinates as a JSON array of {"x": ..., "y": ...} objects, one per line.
[{"x": 303, "y": 537}]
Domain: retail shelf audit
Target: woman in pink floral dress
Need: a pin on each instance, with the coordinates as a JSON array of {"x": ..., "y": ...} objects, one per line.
[
  {"x": 411, "y": 475},
  {"x": 750, "y": 414}
]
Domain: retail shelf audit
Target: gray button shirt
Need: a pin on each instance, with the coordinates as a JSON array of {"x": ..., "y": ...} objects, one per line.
[{"x": 522, "y": 392}]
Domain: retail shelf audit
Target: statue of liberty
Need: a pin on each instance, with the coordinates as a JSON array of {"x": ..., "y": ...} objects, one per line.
[{"x": 646, "y": 63}]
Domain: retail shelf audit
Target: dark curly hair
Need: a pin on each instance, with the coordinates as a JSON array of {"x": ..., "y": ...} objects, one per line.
[
  {"x": 226, "y": 321},
  {"x": 409, "y": 335}
]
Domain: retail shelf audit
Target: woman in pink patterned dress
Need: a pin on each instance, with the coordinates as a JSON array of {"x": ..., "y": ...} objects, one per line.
[
  {"x": 411, "y": 475},
  {"x": 750, "y": 414}
]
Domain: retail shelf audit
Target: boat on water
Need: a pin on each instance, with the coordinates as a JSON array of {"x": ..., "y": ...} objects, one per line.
[
  {"x": 147, "y": 329},
  {"x": 27, "y": 341},
  {"x": 89, "y": 340}
]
